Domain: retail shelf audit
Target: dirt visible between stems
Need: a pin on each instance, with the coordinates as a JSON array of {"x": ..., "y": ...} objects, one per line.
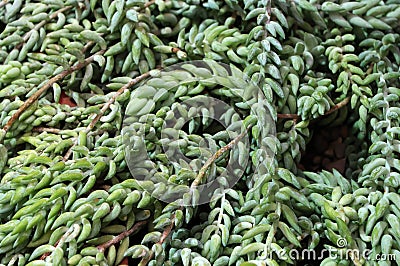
[{"x": 326, "y": 150}]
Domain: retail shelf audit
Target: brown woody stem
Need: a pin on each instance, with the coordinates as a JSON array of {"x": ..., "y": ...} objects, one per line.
[
  {"x": 46, "y": 86},
  {"x": 121, "y": 236},
  {"x": 58, "y": 131},
  {"x": 338, "y": 105},
  {"x": 148, "y": 4},
  {"x": 175, "y": 50},
  {"x": 268, "y": 11},
  {"x": 333, "y": 109},
  {"x": 105, "y": 108},
  {"x": 3, "y": 3},
  {"x": 89, "y": 44},
  {"x": 215, "y": 156},
  {"x": 41, "y": 24},
  {"x": 59, "y": 243},
  {"x": 46, "y": 129},
  {"x": 288, "y": 116},
  {"x": 196, "y": 182},
  {"x": 164, "y": 236}
]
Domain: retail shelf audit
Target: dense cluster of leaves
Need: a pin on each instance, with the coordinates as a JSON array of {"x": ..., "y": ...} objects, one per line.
[{"x": 67, "y": 196}]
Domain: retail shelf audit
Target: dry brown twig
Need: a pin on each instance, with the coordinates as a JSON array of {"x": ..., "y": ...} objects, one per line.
[
  {"x": 288, "y": 116},
  {"x": 3, "y": 3},
  {"x": 41, "y": 24},
  {"x": 105, "y": 245},
  {"x": 60, "y": 242},
  {"x": 89, "y": 44},
  {"x": 148, "y": 4},
  {"x": 164, "y": 236},
  {"x": 46, "y": 86},
  {"x": 215, "y": 156},
  {"x": 121, "y": 236},
  {"x": 268, "y": 11},
  {"x": 60, "y": 131},
  {"x": 339, "y": 105},
  {"x": 46, "y": 129},
  {"x": 106, "y": 107}
]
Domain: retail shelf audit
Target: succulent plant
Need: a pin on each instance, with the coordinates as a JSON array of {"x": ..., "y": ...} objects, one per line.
[{"x": 171, "y": 132}]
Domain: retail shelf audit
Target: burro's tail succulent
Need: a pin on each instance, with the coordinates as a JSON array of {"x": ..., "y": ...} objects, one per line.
[{"x": 169, "y": 132}]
